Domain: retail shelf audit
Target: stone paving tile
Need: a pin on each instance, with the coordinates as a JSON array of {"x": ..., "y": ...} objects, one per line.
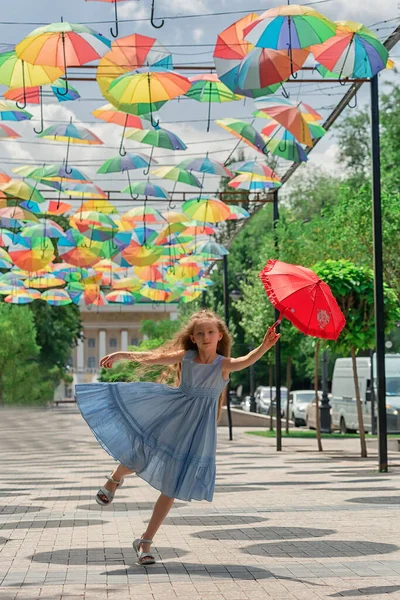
[{"x": 293, "y": 525}]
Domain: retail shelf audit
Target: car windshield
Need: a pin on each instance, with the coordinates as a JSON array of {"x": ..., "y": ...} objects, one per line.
[
  {"x": 266, "y": 394},
  {"x": 393, "y": 386},
  {"x": 305, "y": 397}
]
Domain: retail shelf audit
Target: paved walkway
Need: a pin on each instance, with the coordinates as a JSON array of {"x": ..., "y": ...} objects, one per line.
[{"x": 294, "y": 525}]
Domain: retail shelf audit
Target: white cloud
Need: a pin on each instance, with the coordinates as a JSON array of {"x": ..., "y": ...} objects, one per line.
[{"x": 198, "y": 34}]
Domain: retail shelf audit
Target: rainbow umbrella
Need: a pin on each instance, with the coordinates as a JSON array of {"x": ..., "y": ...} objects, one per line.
[
  {"x": 72, "y": 134},
  {"x": 205, "y": 165},
  {"x": 231, "y": 48},
  {"x": 143, "y": 234},
  {"x": 6, "y": 237},
  {"x": 147, "y": 85},
  {"x": 192, "y": 228},
  {"x": 177, "y": 174},
  {"x": 141, "y": 255},
  {"x": 10, "y": 112},
  {"x": 141, "y": 214},
  {"x": 316, "y": 130},
  {"x": 22, "y": 296},
  {"x": 146, "y": 188},
  {"x": 244, "y": 131},
  {"x": 33, "y": 254},
  {"x": 83, "y": 190},
  {"x": 159, "y": 137},
  {"x": 77, "y": 250},
  {"x": 256, "y": 168},
  {"x": 54, "y": 172},
  {"x": 5, "y": 260},
  {"x": 294, "y": 116},
  {"x": 172, "y": 216},
  {"x": 127, "y": 54},
  {"x": 62, "y": 45},
  {"x": 208, "y": 88},
  {"x": 286, "y": 146},
  {"x": 130, "y": 161},
  {"x": 56, "y": 297},
  {"x": 42, "y": 281},
  {"x": 252, "y": 183},
  {"x": 103, "y": 206},
  {"x": 237, "y": 213},
  {"x": 35, "y": 94},
  {"x": 120, "y": 297},
  {"x": 16, "y": 213},
  {"x": 130, "y": 284},
  {"x": 210, "y": 249},
  {"x": 6, "y": 133},
  {"x": 48, "y": 207},
  {"x": 155, "y": 294},
  {"x": 263, "y": 67},
  {"x": 354, "y": 51},
  {"x": 208, "y": 210},
  {"x": 289, "y": 27},
  {"x": 109, "y": 114},
  {"x": 43, "y": 229},
  {"x": 152, "y": 272}
]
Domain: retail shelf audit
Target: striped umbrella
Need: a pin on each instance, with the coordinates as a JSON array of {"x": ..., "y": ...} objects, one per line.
[
  {"x": 157, "y": 137},
  {"x": 209, "y": 88},
  {"x": 10, "y": 112},
  {"x": 56, "y": 297},
  {"x": 110, "y": 114}
]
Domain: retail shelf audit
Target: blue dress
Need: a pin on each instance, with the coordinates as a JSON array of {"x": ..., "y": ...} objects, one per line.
[{"x": 166, "y": 435}]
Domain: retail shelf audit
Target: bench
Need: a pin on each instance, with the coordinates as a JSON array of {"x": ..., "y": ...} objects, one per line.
[{"x": 63, "y": 401}]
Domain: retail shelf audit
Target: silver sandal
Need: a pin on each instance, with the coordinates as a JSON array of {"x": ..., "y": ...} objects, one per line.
[
  {"x": 144, "y": 558},
  {"x": 107, "y": 493}
]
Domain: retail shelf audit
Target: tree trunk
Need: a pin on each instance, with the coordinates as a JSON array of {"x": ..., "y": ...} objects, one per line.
[
  {"x": 317, "y": 414},
  {"x": 288, "y": 385},
  {"x": 271, "y": 379},
  {"x": 359, "y": 406}
]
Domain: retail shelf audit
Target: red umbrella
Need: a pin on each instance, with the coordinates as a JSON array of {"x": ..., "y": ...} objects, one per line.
[{"x": 303, "y": 298}]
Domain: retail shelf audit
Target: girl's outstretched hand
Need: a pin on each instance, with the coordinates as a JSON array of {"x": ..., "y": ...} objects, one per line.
[
  {"x": 270, "y": 338},
  {"x": 108, "y": 360}
]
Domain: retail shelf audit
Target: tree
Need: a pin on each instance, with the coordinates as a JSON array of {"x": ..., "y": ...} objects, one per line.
[
  {"x": 21, "y": 380},
  {"x": 353, "y": 288}
]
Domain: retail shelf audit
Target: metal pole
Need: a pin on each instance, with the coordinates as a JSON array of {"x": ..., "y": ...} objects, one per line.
[
  {"x": 253, "y": 406},
  {"x": 325, "y": 408},
  {"x": 378, "y": 278},
  {"x": 373, "y": 412},
  {"x": 277, "y": 348},
  {"x": 226, "y": 309}
]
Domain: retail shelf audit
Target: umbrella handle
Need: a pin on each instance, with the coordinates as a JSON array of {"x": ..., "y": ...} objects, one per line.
[
  {"x": 152, "y": 18},
  {"x": 355, "y": 102},
  {"x": 41, "y": 113},
  {"x": 22, "y": 106},
  {"x": 65, "y": 66},
  {"x": 278, "y": 321},
  {"x": 115, "y": 35},
  {"x": 146, "y": 171},
  {"x": 171, "y": 206}
]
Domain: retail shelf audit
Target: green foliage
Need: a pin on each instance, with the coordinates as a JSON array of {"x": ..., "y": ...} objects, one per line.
[{"x": 21, "y": 380}]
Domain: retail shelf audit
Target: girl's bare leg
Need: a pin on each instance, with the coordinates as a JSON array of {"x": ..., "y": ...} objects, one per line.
[
  {"x": 117, "y": 474},
  {"x": 160, "y": 511}
]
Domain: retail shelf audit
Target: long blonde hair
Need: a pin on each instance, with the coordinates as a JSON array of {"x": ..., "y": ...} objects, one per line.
[{"x": 182, "y": 341}]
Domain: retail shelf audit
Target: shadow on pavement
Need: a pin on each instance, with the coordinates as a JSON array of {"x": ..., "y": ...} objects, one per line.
[
  {"x": 19, "y": 509},
  {"x": 99, "y": 556},
  {"x": 264, "y": 533},
  {"x": 124, "y": 506},
  {"x": 376, "y": 500},
  {"x": 51, "y": 524},
  {"x": 320, "y": 549},
  {"x": 369, "y": 591},
  {"x": 212, "y": 520}
]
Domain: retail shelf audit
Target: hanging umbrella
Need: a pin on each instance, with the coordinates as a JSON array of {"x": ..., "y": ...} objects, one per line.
[
  {"x": 142, "y": 214},
  {"x": 237, "y": 213},
  {"x": 83, "y": 190},
  {"x": 252, "y": 183},
  {"x": 33, "y": 254},
  {"x": 211, "y": 249},
  {"x": 127, "y": 162},
  {"x": 10, "y": 112},
  {"x": 152, "y": 272},
  {"x": 205, "y": 165},
  {"x": 127, "y": 54},
  {"x": 44, "y": 229},
  {"x": 231, "y": 48},
  {"x": 273, "y": 129},
  {"x": 172, "y": 216},
  {"x": 208, "y": 210},
  {"x": 158, "y": 137},
  {"x": 263, "y": 67},
  {"x": 17, "y": 188},
  {"x": 6, "y": 237},
  {"x": 56, "y": 297},
  {"x": 146, "y": 188},
  {"x": 92, "y": 219},
  {"x": 77, "y": 250},
  {"x": 294, "y": 116},
  {"x": 113, "y": 33},
  {"x": 6, "y": 133},
  {"x": 155, "y": 294},
  {"x": 54, "y": 172},
  {"x": 289, "y": 28},
  {"x": 284, "y": 145},
  {"x": 22, "y": 296},
  {"x": 141, "y": 255},
  {"x": 147, "y": 85},
  {"x": 5, "y": 260},
  {"x": 109, "y": 114},
  {"x": 35, "y": 94},
  {"x": 193, "y": 228},
  {"x": 208, "y": 88},
  {"x": 256, "y": 168},
  {"x": 244, "y": 131},
  {"x": 120, "y": 297},
  {"x": 178, "y": 175},
  {"x": 303, "y": 298},
  {"x": 48, "y": 207},
  {"x": 46, "y": 280},
  {"x": 354, "y": 51},
  {"x": 72, "y": 134},
  {"x": 62, "y": 45}
]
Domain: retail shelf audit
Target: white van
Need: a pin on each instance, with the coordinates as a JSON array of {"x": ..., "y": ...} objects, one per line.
[{"x": 343, "y": 401}]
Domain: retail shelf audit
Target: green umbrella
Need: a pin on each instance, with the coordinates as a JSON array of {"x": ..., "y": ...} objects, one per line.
[
  {"x": 208, "y": 88},
  {"x": 157, "y": 137}
]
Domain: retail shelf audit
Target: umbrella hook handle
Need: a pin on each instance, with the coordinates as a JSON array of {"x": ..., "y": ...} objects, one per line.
[
  {"x": 122, "y": 151},
  {"x": 146, "y": 171},
  {"x": 355, "y": 102},
  {"x": 41, "y": 114},
  {"x": 171, "y": 206},
  {"x": 152, "y": 18},
  {"x": 115, "y": 35},
  {"x": 22, "y": 106},
  {"x": 65, "y": 68}
]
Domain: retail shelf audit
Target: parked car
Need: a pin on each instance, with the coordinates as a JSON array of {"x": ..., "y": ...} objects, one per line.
[
  {"x": 265, "y": 397},
  {"x": 235, "y": 401},
  {"x": 298, "y": 403},
  {"x": 310, "y": 414},
  {"x": 246, "y": 403},
  {"x": 344, "y": 405}
]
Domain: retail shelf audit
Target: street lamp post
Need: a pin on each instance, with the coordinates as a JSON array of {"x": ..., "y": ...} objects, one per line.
[{"x": 325, "y": 408}]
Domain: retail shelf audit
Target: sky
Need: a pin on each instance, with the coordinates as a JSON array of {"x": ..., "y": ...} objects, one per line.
[{"x": 190, "y": 33}]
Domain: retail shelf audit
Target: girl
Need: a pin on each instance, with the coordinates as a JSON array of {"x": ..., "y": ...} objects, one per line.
[{"x": 167, "y": 435}]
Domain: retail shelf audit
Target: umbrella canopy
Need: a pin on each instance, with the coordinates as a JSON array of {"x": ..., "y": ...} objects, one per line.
[
  {"x": 354, "y": 51},
  {"x": 33, "y": 254},
  {"x": 303, "y": 298},
  {"x": 74, "y": 134},
  {"x": 289, "y": 27},
  {"x": 231, "y": 48},
  {"x": 76, "y": 249},
  {"x": 285, "y": 145},
  {"x": 178, "y": 175},
  {"x": 148, "y": 189},
  {"x": 252, "y": 183},
  {"x": 34, "y": 95},
  {"x": 127, "y": 162},
  {"x": 24, "y": 296},
  {"x": 142, "y": 214},
  {"x": 138, "y": 255},
  {"x": 148, "y": 85},
  {"x": 110, "y": 114},
  {"x": 103, "y": 206},
  {"x": 83, "y": 190},
  {"x": 273, "y": 129},
  {"x": 120, "y": 297},
  {"x": 48, "y": 207},
  {"x": 56, "y": 297},
  {"x": 209, "y": 88},
  {"x": 46, "y": 280},
  {"x": 244, "y": 131},
  {"x": 6, "y": 133},
  {"x": 237, "y": 213},
  {"x": 43, "y": 229},
  {"x": 256, "y": 168},
  {"x": 17, "y": 73},
  {"x": 208, "y": 210},
  {"x": 18, "y": 188},
  {"x": 262, "y": 67},
  {"x": 205, "y": 165},
  {"x": 160, "y": 137},
  {"x": 5, "y": 259},
  {"x": 10, "y": 112},
  {"x": 54, "y": 172}
]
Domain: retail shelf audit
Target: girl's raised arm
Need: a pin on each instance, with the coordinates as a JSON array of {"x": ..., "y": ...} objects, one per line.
[
  {"x": 145, "y": 358},
  {"x": 237, "y": 364}
]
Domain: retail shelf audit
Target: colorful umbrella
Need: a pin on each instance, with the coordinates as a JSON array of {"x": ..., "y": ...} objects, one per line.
[
  {"x": 147, "y": 85},
  {"x": 127, "y": 54},
  {"x": 102, "y": 206},
  {"x": 149, "y": 273},
  {"x": 34, "y": 95},
  {"x": 289, "y": 27},
  {"x": 159, "y": 137},
  {"x": 17, "y": 188},
  {"x": 6, "y": 133},
  {"x": 205, "y": 165},
  {"x": 256, "y": 168},
  {"x": 252, "y": 183},
  {"x": 44, "y": 229},
  {"x": 47, "y": 280},
  {"x": 354, "y": 51},
  {"x": 141, "y": 255},
  {"x": 54, "y": 172},
  {"x": 120, "y": 297},
  {"x": 17, "y": 73},
  {"x": 5, "y": 260},
  {"x": 83, "y": 190},
  {"x": 142, "y": 214},
  {"x": 61, "y": 45},
  {"x": 33, "y": 254},
  {"x": 22, "y": 296},
  {"x": 208, "y": 210},
  {"x": 127, "y": 162},
  {"x": 76, "y": 249},
  {"x": 244, "y": 131},
  {"x": 48, "y": 207},
  {"x": 263, "y": 67},
  {"x": 178, "y": 175},
  {"x": 146, "y": 188},
  {"x": 237, "y": 213},
  {"x": 230, "y": 50},
  {"x": 10, "y": 112},
  {"x": 273, "y": 129},
  {"x": 109, "y": 114},
  {"x": 208, "y": 88},
  {"x": 303, "y": 298},
  {"x": 56, "y": 297},
  {"x": 285, "y": 145},
  {"x": 210, "y": 249}
]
